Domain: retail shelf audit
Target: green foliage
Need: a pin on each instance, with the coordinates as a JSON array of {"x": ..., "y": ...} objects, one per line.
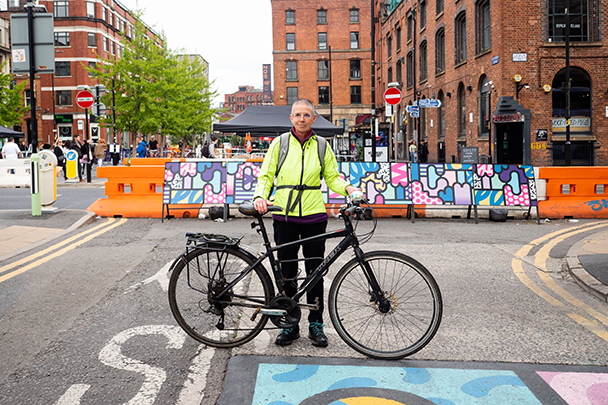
[
  {"x": 236, "y": 140},
  {"x": 12, "y": 107},
  {"x": 156, "y": 88}
]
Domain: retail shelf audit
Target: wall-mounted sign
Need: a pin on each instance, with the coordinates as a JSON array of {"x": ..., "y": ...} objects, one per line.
[
  {"x": 505, "y": 118},
  {"x": 64, "y": 118},
  {"x": 541, "y": 135},
  {"x": 577, "y": 124},
  {"x": 495, "y": 60},
  {"x": 520, "y": 57}
]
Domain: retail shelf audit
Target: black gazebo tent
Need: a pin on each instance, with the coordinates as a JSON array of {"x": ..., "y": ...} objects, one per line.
[
  {"x": 6, "y": 132},
  {"x": 271, "y": 121}
]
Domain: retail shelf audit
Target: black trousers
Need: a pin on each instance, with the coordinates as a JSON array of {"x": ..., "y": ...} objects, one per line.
[{"x": 287, "y": 232}]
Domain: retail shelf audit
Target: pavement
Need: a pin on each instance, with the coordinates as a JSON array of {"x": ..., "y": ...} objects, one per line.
[{"x": 587, "y": 262}]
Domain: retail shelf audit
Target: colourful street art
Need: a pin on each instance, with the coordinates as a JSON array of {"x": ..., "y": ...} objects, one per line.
[{"x": 232, "y": 182}]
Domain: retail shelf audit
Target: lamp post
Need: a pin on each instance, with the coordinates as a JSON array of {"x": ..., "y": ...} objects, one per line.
[
  {"x": 33, "y": 122},
  {"x": 568, "y": 146}
]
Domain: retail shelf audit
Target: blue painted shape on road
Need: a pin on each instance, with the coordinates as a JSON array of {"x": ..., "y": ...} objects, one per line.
[
  {"x": 441, "y": 401},
  {"x": 417, "y": 375},
  {"x": 280, "y": 403},
  {"x": 300, "y": 373},
  {"x": 353, "y": 382},
  {"x": 481, "y": 387}
]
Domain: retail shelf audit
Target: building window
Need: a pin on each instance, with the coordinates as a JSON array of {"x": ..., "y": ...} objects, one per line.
[
  {"x": 355, "y": 94},
  {"x": 64, "y": 97},
  {"x": 322, "y": 36},
  {"x": 439, "y": 7},
  {"x": 398, "y": 71},
  {"x": 28, "y": 97},
  {"x": 104, "y": 13},
  {"x": 291, "y": 41},
  {"x": 389, "y": 74},
  {"x": 90, "y": 9},
  {"x": 291, "y": 70},
  {"x": 584, "y": 23},
  {"x": 422, "y": 14},
  {"x": 461, "y": 38},
  {"x": 389, "y": 46},
  {"x": 321, "y": 16},
  {"x": 323, "y": 68},
  {"x": 441, "y": 115},
  {"x": 130, "y": 31},
  {"x": 292, "y": 95},
  {"x": 354, "y": 15},
  {"x": 62, "y": 39},
  {"x": 409, "y": 66},
  {"x": 354, "y": 40},
  {"x": 323, "y": 95},
  {"x": 62, "y": 69},
  {"x": 440, "y": 51},
  {"x": 91, "y": 39},
  {"x": 423, "y": 59},
  {"x": 462, "y": 112},
  {"x": 105, "y": 44},
  {"x": 483, "y": 26},
  {"x": 92, "y": 65},
  {"x": 61, "y": 9},
  {"x": 410, "y": 26},
  {"x": 398, "y": 38},
  {"x": 355, "y": 69},
  {"x": 484, "y": 107},
  {"x": 290, "y": 17},
  {"x": 580, "y": 102}
]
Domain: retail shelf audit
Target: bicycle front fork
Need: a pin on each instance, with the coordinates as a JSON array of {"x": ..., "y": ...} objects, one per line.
[{"x": 377, "y": 294}]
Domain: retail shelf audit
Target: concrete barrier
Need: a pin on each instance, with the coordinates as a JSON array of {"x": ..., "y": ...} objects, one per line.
[{"x": 15, "y": 173}]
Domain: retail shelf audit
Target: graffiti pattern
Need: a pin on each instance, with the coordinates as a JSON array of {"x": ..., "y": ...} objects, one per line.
[{"x": 383, "y": 183}]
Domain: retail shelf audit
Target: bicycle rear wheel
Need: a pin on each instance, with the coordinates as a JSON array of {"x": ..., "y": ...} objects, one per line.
[
  {"x": 198, "y": 280},
  {"x": 386, "y": 332}
]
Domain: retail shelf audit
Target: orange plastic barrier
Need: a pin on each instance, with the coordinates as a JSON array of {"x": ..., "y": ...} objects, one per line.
[
  {"x": 150, "y": 161},
  {"x": 575, "y": 192}
]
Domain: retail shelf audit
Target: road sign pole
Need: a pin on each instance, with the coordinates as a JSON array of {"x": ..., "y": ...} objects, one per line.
[{"x": 33, "y": 122}]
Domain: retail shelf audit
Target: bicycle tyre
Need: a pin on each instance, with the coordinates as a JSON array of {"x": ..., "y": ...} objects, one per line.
[
  {"x": 196, "y": 278},
  {"x": 415, "y": 306}
]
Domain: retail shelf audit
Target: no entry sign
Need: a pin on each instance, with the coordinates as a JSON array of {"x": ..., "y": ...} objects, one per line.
[
  {"x": 392, "y": 96},
  {"x": 85, "y": 99}
]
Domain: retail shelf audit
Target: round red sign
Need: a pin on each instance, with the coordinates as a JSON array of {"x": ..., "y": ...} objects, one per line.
[
  {"x": 85, "y": 99},
  {"x": 392, "y": 96}
]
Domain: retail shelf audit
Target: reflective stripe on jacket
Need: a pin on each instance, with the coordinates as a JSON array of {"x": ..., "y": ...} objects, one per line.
[{"x": 300, "y": 168}]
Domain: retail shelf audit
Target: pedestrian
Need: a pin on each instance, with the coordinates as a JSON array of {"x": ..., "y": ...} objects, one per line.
[
  {"x": 142, "y": 147},
  {"x": 153, "y": 146},
  {"x": 87, "y": 157},
  {"x": 413, "y": 152},
  {"x": 58, "y": 151},
  {"x": 424, "y": 152},
  {"x": 10, "y": 150},
  {"x": 76, "y": 145},
  {"x": 115, "y": 153},
  {"x": 307, "y": 215},
  {"x": 209, "y": 148},
  {"x": 100, "y": 152}
]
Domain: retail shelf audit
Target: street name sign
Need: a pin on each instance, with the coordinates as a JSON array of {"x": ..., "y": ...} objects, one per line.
[{"x": 429, "y": 103}]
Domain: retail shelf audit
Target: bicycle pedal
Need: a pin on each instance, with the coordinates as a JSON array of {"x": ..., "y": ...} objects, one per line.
[{"x": 255, "y": 314}]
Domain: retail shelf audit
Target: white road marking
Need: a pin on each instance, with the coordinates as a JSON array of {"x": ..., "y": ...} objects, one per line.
[
  {"x": 192, "y": 393},
  {"x": 73, "y": 395},
  {"x": 162, "y": 277}
]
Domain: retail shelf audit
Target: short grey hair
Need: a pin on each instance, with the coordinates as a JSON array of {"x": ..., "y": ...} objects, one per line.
[{"x": 305, "y": 101}]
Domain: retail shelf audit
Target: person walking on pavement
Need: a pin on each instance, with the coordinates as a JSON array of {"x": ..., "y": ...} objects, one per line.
[
  {"x": 298, "y": 191},
  {"x": 100, "y": 152},
  {"x": 142, "y": 147},
  {"x": 58, "y": 151},
  {"x": 10, "y": 150},
  {"x": 153, "y": 146},
  {"x": 413, "y": 152},
  {"x": 87, "y": 156},
  {"x": 423, "y": 154}
]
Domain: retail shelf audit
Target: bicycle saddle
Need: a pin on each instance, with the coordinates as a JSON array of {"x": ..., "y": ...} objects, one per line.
[{"x": 246, "y": 208}]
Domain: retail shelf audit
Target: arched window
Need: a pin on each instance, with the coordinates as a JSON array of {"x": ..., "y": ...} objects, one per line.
[
  {"x": 484, "y": 106},
  {"x": 440, "y": 51},
  {"x": 460, "y": 37},
  {"x": 423, "y": 59},
  {"x": 483, "y": 26},
  {"x": 462, "y": 111}
]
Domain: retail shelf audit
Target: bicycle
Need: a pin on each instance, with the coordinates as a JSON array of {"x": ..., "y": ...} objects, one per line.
[{"x": 383, "y": 304}]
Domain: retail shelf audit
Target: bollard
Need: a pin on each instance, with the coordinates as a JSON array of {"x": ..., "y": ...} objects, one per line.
[
  {"x": 71, "y": 165},
  {"x": 35, "y": 186}
]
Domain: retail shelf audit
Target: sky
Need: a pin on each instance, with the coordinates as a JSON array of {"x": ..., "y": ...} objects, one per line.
[{"x": 234, "y": 36}]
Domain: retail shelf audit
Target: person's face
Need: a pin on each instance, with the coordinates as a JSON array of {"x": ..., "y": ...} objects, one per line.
[{"x": 302, "y": 118}]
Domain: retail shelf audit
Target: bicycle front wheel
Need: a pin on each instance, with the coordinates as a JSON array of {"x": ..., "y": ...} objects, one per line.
[
  {"x": 206, "y": 304},
  {"x": 391, "y": 330}
]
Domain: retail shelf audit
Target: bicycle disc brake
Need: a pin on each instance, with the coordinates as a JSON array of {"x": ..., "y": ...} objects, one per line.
[{"x": 293, "y": 316}]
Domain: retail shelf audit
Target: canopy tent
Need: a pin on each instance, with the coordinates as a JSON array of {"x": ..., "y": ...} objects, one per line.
[
  {"x": 271, "y": 121},
  {"x": 5, "y": 133}
]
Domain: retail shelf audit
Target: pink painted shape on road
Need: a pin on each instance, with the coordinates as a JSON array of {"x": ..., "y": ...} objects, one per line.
[{"x": 579, "y": 388}]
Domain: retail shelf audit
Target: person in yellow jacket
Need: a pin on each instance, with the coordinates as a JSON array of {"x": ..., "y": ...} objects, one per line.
[{"x": 298, "y": 192}]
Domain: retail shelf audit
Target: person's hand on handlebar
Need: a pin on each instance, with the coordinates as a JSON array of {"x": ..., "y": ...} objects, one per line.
[
  {"x": 261, "y": 205},
  {"x": 351, "y": 189}
]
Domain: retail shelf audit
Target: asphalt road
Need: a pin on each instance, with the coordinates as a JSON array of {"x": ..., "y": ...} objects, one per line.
[{"x": 88, "y": 321}]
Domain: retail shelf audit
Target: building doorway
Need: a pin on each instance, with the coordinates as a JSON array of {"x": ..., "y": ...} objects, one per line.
[{"x": 510, "y": 143}]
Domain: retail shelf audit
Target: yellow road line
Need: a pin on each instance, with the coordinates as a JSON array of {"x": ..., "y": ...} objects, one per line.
[
  {"x": 592, "y": 326},
  {"x": 56, "y": 246},
  {"x": 540, "y": 259},
  {"x": 516, "y": 265},
  {"x": 550, "y": 282},
  {"x": 61, "y": 252}
]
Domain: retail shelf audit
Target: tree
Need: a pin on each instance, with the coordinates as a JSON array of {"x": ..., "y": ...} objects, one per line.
[
  {"x": 156, "y": 89},
  {"x": 12, "y": 107}
]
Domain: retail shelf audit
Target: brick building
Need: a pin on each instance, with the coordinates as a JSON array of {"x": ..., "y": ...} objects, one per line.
[
  {"x": 83, "y": 29},
  {"x": 306, "y": 36},
  {"x": 237, "y": 102},
  {"x": 498, "y": 67}
]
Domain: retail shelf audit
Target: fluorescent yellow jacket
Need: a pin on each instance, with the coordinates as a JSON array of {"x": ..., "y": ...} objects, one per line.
[{"x": 300, "y": 168}]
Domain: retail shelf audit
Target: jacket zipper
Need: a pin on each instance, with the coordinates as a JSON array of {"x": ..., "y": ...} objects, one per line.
[{"x": 302, "y": 174}]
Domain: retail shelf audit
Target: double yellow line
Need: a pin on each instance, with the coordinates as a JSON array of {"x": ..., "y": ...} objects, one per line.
[
  {"x": 72, "y": 242},
  {"x": 540, "y": 260}
]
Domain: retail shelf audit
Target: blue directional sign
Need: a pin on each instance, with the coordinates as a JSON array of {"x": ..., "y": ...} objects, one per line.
[
  {"x": 412, "y": 108},
  {"x": 429, "y": 103}
]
